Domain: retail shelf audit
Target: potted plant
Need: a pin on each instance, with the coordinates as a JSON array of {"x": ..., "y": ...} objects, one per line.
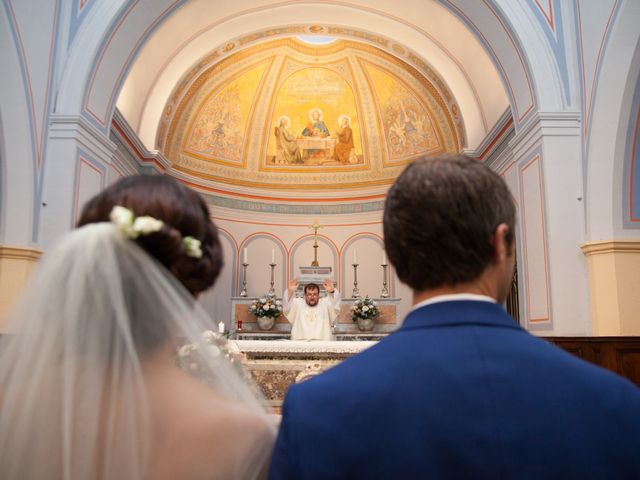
[
  {"x": 364, "y": 311},
  {"x": 266, "y": 309}
]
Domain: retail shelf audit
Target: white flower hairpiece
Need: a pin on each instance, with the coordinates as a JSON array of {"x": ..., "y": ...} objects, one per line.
[
  {"x": 132, "y": 227},
  {"x": 192, "y": 247}
]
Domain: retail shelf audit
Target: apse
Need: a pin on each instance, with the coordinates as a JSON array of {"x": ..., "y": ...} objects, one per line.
[{"x": 222, "y": 120}]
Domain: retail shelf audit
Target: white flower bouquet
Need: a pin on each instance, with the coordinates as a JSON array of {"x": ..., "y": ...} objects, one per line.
[
  {"x": 364, "y": 308},
  {"x": 266, "y": 306}
]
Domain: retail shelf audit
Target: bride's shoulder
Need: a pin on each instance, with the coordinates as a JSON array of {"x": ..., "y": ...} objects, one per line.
[{"x": 200, "y": 431}]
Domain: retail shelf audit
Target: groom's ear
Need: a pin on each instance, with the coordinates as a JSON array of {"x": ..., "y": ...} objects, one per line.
[{"x": 501, "y": 245}]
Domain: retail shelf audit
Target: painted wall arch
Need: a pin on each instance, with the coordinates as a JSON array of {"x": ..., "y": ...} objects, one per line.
[{"x": 260, "y": 246}]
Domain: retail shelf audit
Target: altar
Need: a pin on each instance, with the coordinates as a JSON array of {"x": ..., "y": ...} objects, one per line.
[
  {"x": 277, "y": 364},
  {"x": 385, "y": 323}
]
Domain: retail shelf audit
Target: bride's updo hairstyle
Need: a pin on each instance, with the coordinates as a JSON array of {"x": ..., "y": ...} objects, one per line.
[{"x": 183, "y": 213}]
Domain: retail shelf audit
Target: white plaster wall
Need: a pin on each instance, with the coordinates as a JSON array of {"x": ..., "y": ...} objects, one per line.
[
  {"x": 17, "y": 155},
  {"x": 291, "y": 240},
  {"x": 608, "y": 133},
  {"x": 553, "y": 271}
]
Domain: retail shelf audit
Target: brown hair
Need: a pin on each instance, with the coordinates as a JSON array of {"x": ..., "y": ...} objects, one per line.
[
  {"x": 311, "y": 286},
  {"x": 183, "y": 213},
  {"x": 439, "y": 218}
]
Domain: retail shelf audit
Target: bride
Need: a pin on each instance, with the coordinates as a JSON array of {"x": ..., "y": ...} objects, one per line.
[{"x": 89, "y": 387}]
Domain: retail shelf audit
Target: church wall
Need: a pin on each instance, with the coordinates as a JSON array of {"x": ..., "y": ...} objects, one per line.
[
  {"x": 50, "y": 162},
  {"x": 291, "y": 240},
  {"x": 19, "y": 160},
  {"x": 612, "y": 237},
  {"x": 542, "y": 168}
]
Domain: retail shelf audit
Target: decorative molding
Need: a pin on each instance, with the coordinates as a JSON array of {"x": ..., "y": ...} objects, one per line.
[
  {"x": 491, "y": 140},
  {"x": 599, "y": 247},
  {"x": 542, "y": 124},
  {"x": 76, "y": 127},
  {"x": 14, "y": 252},
  {"x": 156, "y": 160},
  {"x": 495, "y": 150}
]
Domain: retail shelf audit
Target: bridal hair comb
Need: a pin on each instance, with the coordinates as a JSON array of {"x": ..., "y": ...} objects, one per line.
[{"x": 132, "y": 227}]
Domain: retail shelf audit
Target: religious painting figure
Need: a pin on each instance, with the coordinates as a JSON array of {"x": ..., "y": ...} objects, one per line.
[
  {"x": 344, "y": 148},
  {"x": 409, "y": 128},
  {"x": 311, "y": 318},
  {"x": 287, "y": 150},
  {"x": 316, "y": 126},
  {"x": 217, "y": 131}
]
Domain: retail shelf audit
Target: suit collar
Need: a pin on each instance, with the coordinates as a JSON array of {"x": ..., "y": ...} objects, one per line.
[{"x": 459, "y": 313}]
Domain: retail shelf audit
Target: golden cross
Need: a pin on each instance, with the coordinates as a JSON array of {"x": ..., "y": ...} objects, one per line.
[{"x": 315, "y": 226}]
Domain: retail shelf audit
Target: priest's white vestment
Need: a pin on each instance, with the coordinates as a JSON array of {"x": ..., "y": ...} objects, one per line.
[{"x": 311, "y": 323}]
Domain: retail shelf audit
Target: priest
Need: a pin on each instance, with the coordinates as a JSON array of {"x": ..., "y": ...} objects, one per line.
[{"x": 313, "y": 317}]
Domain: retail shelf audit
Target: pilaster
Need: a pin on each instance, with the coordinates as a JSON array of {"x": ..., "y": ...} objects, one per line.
[
  {"x": 16, "y": 265},
  {"x": 615, "y": 286}
]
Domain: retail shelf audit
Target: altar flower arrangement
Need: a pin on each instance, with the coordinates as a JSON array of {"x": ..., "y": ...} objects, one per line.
[
  {"x": 364, "y": 309},
  {"x": 266, "y": 306}
]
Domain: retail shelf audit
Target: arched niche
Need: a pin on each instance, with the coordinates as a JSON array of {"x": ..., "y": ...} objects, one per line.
[{"x": 261, "y": 249}]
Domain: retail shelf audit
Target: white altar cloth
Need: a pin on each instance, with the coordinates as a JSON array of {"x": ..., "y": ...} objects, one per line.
[{"x": 301, "y": 346}]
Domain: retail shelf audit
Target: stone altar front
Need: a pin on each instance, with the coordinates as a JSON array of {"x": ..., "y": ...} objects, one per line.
[{"x": 277, "y": 364}]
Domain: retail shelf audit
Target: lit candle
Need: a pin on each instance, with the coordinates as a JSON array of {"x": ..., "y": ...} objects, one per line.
[
  {"x": 355, "y": 256},
  {"x": 384, "y": 258},
  {"x": 273, "y": 256},
  {"x": 221, "y": 327},
  {"x": 245, "y": 256}
]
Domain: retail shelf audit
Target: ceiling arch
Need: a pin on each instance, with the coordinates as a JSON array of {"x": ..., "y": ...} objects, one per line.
[{"x": 438, "y": 38}]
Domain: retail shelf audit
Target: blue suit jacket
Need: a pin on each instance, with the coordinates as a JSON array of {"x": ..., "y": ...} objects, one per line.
[{"x": 460, "y": 391}]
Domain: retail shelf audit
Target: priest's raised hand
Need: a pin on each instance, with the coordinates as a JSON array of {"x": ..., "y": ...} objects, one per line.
[{"x": 329, "y": 286}]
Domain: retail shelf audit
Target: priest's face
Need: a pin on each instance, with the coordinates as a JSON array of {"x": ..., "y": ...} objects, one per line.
[{"x": 311, "y": 296}]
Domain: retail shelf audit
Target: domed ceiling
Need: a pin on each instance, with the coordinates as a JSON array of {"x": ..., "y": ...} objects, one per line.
[{"x": 286, "y": 114}]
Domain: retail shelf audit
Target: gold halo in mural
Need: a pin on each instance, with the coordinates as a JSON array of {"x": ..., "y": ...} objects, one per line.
[{"x": 283, "y": 114}]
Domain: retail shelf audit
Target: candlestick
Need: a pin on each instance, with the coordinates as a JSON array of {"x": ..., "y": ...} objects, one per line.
[
  {"x": 243, "y": 293},
  {"x": 272, "y": 290},
  {"x": 385, "y": 290},
  {"x": 356, "y": 292},
  {"x": 315, "y": 228}
]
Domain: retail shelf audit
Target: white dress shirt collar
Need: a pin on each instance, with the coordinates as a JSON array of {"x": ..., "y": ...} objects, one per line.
[{"x": 453, "y": 297}]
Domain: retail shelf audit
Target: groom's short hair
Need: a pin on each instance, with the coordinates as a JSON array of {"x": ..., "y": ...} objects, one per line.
[{"x": 439, "y": 218}]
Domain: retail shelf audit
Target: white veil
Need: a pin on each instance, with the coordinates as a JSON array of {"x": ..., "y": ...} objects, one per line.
[{"x": 75, "y": 398}]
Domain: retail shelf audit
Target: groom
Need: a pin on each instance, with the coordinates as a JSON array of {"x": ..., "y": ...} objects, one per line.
[{"x": 460, "y": 390}]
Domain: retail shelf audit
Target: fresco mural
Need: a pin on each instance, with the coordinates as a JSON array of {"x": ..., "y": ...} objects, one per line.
[
  {"x": 309, "y": 121},
  {"x": 408, "y": 128},
  {"x": 285, "y": 114},
  {"x": 218, "y": 128}
]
